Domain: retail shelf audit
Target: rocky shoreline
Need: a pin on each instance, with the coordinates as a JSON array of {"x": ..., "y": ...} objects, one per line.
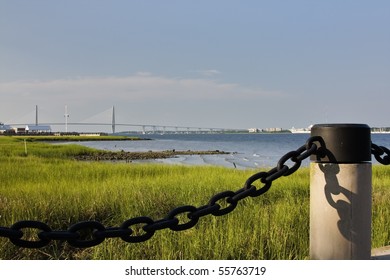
[{"x": 130, "y": 156}]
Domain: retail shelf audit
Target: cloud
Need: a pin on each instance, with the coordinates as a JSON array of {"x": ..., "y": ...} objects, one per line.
[
  {"x": 140, "y": 86},
  {"x": 209, "y": 72}
]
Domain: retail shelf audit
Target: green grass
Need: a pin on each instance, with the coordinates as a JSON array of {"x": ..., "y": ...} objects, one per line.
[
  {"x": 31, "y": 147},
  {"x": 47, "y": 185}
]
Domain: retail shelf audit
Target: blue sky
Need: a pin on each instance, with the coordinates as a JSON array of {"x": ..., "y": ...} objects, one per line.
[{"x": 214, "y": 63}]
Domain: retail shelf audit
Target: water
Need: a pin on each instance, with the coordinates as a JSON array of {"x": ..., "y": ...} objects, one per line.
[{"x": 246, "y": 150}]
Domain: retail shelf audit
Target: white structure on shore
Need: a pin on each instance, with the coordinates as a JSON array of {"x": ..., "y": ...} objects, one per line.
[
  {"x": 30, "y": 128},
  {"x": 301, "y": 130},
  {"x": 272, "y": 129},
  {"x": 253, "y": 130},
  {"x": 265, "y": 130}
]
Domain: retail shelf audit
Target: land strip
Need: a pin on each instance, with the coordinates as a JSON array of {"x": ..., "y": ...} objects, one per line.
[
  {"x": 71, "y": 138},
  {"x": 130, "y": 156}
]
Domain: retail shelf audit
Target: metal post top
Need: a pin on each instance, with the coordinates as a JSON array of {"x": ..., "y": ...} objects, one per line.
[
  {"x": 344, "y": 142},
  {"x": 340, "y": 125}
]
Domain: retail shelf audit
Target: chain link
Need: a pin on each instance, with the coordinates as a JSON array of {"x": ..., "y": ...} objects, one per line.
[
  {"x": 381, "y": 154},
  {"x": 91, "y": 233}
]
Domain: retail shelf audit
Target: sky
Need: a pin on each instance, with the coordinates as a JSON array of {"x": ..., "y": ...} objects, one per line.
[{"x": 203, "y": 63}]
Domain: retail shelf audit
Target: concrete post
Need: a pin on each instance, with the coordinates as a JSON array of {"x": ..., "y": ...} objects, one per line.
[{"x": 340, "y": 193}]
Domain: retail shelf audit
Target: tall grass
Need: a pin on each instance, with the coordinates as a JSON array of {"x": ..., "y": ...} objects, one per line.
[
  {"x": 60, "y": 192},
  {"x": 29, "y": 146},
  {"x": 381, "y": 206}
]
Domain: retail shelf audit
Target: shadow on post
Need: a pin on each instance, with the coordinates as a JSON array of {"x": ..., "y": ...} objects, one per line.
[{"x": 339, "y": 198}]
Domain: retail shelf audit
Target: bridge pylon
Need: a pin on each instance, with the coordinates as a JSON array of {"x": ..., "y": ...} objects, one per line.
[{"x": 113, "y": 119}]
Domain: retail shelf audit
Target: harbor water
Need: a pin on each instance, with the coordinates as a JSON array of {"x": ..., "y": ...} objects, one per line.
[{"x": 253, "y": 150}]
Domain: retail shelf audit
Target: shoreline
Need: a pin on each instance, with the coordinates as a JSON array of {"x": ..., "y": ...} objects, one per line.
[{"x": 37, "y": 138}]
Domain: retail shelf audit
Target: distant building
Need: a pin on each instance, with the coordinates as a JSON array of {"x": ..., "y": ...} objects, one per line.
[
  {"x": 38, "y": 128},
  {"x": 253, "y": 130},
  {"x": 301, "y": 130},
  {"x": 19, "y": 130},
  {"x": 273, "y": 129},
  {"x": 4, "y": 128}
]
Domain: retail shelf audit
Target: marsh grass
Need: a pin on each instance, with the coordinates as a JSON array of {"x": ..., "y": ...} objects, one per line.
[{"x": 47, "y": 185}]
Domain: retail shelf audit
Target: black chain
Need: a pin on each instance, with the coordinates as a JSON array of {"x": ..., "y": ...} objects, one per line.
[
  {"x": 91, "y": 233},
  {"x": 381, "y": 154}
]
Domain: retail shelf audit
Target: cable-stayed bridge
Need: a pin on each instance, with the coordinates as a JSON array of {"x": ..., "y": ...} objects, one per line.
[{"x": 66, "y": 125}]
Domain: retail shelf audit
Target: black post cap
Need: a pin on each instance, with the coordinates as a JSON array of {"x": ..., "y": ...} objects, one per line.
[{"x": 344, "y": 143}]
